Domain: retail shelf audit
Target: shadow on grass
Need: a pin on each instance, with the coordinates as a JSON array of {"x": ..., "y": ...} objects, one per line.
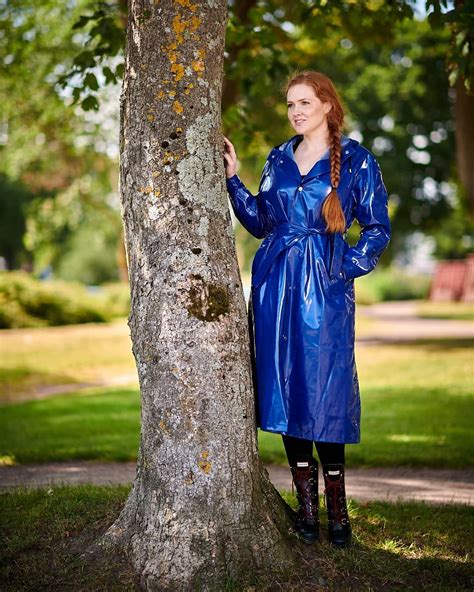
[{"x": 404, "y": 546}]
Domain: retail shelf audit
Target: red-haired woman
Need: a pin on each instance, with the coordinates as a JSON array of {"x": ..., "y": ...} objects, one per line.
[{"x": 302, "y": 304}]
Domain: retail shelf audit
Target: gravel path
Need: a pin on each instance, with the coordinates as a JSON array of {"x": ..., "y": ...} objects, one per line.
[
  {"x": 430, "y": 485},
  {"x": 397, "y": 322}
]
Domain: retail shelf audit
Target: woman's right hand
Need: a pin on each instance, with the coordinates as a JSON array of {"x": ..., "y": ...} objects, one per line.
[{"x": 230, "y": 158}]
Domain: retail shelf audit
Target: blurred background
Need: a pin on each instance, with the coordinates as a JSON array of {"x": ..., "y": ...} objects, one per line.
[
  {"x": 402, "y": 72},
  {"x": 69, "y": 395}
]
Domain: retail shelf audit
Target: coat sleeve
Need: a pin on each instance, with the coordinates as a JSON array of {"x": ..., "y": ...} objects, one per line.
[
  {"x": 245, "y": 205},
  {"x": 371, "y": 212}
]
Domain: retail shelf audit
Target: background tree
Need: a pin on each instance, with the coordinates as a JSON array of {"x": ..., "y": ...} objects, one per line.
[{"x": 52, "y": 152}]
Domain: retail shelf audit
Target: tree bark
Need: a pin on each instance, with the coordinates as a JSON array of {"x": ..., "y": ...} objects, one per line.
[
  {"x": 465, "y": 141},
  {"x": 202, "y": 509}
]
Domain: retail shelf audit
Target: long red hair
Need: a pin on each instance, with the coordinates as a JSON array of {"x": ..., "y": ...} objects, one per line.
[{"x": 326, "y": 92}]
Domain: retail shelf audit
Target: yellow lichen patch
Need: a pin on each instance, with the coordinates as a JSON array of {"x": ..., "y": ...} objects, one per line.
[
  {"x": 178, "y": 70},
  {"x": 157, "y": 193},
  {"x": 163, "y": 427},
  {"x": 150, "y": 117},
  {"x": 146, "y": 190},
  {"x": 195, "y": 22},
  {"x": 172, "y": 93},
  {"x": 172, "y": 56},
  {"x": 155, "y": 174},
  {"x": 178, "y": 27},
  {"x": 179, "y": 130},
  {"x": 205, "y": 466},
  {"x": 198, "y": 66},
  {"x": 177, "y": 107},
  {"x": 205, "y": 454},
  {"x": 188, "y": 88},
  {"x": 201, "y": 53},
  {"x": 187, "y": 4},
  {"x": 160, "y": 95}
]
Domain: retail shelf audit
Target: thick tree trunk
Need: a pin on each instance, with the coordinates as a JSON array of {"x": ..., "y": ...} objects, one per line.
[
  {"x": 465, "y": 140},
  {"x": 202, "y": 509}
]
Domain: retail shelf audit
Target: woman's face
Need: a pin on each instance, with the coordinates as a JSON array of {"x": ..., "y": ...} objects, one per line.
[{"x": 305, "y": 111}]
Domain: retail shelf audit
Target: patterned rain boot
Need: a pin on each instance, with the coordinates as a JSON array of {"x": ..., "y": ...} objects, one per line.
[
  {"x": 339, "y": 527},
  {"x": 305, "y": 478}
]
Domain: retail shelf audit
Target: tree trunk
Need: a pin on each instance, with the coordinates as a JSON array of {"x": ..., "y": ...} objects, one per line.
[
  {"x": 202, "y": 510},
  {"x": 465, "y": 140}
]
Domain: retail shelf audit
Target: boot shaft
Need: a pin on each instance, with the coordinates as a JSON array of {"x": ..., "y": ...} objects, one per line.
[
  {"x": 305, "y": 479},
  {"x": 335, "y": 493}
]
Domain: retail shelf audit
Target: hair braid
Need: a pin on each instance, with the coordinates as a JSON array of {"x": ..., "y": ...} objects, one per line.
[{"x": 332, "y": 209}]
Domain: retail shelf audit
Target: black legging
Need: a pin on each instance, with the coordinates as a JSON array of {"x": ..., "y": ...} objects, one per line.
[{"x": 298, "y": 449}]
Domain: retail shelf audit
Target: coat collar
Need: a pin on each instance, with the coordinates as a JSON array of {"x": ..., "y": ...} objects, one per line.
[{"x": 283, "y": 156}]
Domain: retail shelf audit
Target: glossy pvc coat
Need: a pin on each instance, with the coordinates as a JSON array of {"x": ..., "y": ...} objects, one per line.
[{"x": 302, "y": 304}]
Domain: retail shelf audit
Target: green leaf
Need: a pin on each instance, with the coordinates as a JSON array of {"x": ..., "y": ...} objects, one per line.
[
  {"x": 82, "y": 22},
  {"x": 91, "y": 81},
  {"x": 85, "y": 59},
  {"x": 90, "y": 103},
  {"x": 109, "y": 75},
  {"x": 119, "y": 71}
]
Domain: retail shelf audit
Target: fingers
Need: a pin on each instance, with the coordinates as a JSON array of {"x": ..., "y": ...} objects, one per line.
[{"x": 230, "y": 148}]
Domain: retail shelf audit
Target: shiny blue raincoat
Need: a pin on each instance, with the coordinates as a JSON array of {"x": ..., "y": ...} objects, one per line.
[{"x": 302, "y": 302}]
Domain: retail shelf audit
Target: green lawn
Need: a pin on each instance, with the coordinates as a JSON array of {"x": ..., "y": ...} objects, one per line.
[
  {"x": 460, "y": 311},
  {"x": 416, "y": 401},
  {"x": 35, "y": 358},
  {"x": 408, "y": 546},
  {"x": 32, "y": 359}
]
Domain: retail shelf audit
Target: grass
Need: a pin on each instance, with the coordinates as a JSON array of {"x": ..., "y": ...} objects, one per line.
[
  {"x": 36, "y": 358},
  {"x": 416, "y": 410},
  {"x": 396, "y": 546},
  {"x": 101, "y": 424}
]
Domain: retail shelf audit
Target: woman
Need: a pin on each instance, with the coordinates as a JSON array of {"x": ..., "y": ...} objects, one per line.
[{"x": 302, "y": 300}]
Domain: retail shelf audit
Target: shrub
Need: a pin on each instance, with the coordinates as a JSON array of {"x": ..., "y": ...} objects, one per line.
[
  {"x": 391, "y": 283},
  {"x": 27, "y": 302}
]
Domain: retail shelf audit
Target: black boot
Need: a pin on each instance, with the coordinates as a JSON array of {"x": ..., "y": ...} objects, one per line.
[
  {"x": 305, "y": 478},
  {"x": 335, "y": 495}
]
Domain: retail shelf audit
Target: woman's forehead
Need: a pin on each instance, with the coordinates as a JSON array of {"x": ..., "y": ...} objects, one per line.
[{"x": 298, "y": 92}]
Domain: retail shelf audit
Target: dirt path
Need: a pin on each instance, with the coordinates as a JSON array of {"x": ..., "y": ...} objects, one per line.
[
  {"x": 398, "y": 322},
  {"x": 430, "y": 485}
]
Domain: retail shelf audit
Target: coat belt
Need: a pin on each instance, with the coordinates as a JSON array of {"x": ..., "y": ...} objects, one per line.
[{"x": 284, "y": 235}]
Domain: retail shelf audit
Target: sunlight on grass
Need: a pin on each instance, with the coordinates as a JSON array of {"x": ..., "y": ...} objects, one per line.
[
  {"x": 396, "y": 546},
  {"x": 85, "y": 353},
  {"x": 417, "y": 438},
  {"x": 446, "y": 310}
]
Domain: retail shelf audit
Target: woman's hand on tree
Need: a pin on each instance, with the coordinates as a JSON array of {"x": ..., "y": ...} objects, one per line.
[{"x": 230, "y": 158}]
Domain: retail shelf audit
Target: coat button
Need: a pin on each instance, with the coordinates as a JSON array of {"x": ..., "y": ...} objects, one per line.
[
  {"x": 281, "y": 161},
  {"x": 300, "y": 188}
]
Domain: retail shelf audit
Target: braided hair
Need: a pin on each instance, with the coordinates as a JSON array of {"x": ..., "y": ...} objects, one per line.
[{"x": 324, "y": 89}]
